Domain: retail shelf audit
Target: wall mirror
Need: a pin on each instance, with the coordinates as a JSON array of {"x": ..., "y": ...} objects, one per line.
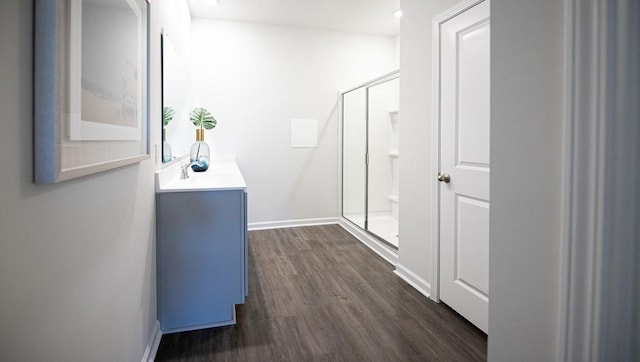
[{"x": 176, "y": 129}]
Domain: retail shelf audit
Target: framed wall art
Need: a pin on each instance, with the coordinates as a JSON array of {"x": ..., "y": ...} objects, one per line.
[{"x": 90, "y": 86}]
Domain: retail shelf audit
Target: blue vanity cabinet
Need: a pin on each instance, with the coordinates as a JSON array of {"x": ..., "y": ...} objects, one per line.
[{"x": 201, "y": 258}]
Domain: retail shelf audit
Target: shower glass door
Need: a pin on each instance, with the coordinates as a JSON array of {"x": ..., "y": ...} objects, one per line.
[
  {"x": 370, "y": 154},
  {"x": 382, "y": 195},
  {"x": 354, "y": 149}
]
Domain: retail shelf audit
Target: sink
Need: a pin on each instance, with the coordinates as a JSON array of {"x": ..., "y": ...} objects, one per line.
[
  {"x": 206, "y": 179},
  {"x": 221, "y": 175}
]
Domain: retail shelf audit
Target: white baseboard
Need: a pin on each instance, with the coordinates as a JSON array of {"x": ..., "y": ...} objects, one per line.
[
  {"x": 153, "y": 344},
  {"x": 387, "y": 253},
  {"x": 414, "y": 280},
  {"x": 292, "y": 223}
]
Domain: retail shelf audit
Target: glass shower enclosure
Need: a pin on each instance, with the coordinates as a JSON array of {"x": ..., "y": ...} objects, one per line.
[{"x": 370, "y": 153}]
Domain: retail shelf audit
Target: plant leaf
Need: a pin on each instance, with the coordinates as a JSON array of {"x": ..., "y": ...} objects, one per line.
[
  {"x": 167, "y": 115},
  {"x": 209, "y": 124},
  {"x": 201, "y": 118}
]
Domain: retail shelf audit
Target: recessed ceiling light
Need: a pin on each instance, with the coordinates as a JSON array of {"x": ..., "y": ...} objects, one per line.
[{"x": 397, "y": 13}]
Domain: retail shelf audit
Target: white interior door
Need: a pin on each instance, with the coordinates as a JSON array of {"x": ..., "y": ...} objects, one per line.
[{"x": 464, "y": 163}]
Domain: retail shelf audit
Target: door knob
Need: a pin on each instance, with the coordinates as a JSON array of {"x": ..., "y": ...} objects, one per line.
[{"x": 444, "y": 177}]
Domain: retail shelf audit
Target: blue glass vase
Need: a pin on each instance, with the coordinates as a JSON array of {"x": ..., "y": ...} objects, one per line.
[{"x": 199, "y": 154}]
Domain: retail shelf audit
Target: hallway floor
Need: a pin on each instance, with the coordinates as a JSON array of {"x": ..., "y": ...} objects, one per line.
[{"x": 316, "y": 293}]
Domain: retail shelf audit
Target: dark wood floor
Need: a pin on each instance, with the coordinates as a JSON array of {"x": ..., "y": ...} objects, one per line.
[{"x": 317, "y": 294}]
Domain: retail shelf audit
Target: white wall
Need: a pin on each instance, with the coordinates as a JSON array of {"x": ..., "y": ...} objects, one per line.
[
  {"x": 77, "y": 259},
  {"x": 396, "y": 44},
  {"x": 526, "y": 143},
  {"x": 415, "y": 135},
  {"x": 255, "y": 79}
]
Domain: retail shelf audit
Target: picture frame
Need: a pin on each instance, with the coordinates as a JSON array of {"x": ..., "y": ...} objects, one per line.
[{"x": 91, "y": 74}]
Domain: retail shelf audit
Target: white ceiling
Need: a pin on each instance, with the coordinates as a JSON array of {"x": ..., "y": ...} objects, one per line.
[{"x": 360, "y": 16}]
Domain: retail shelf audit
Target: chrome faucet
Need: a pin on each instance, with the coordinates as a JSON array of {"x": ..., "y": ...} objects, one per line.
[{"x": 185, "y": 169}]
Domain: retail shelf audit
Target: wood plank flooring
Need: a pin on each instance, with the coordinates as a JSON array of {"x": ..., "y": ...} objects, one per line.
[{"x": 317, "y": 294}]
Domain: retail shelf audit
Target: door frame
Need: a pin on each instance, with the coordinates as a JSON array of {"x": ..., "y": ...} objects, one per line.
[
  {"x": 435, "y": 141},
  {"x": 600, "y": 277}
]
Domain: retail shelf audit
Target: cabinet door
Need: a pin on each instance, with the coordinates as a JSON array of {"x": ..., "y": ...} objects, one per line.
[
  {"x": 200, "y": 257},
  {"x": 246, "y": 245}
]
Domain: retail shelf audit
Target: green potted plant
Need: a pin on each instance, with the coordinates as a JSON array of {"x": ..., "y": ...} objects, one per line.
[{"x": 199, "y": 155}]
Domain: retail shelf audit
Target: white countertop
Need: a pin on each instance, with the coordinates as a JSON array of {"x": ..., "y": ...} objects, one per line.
[{"x": 223, "y": 174}]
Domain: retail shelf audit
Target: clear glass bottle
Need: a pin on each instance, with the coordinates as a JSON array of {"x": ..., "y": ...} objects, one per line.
[
  {"x": 167, "y": 153},
  {"x": 199, "y": 154}
]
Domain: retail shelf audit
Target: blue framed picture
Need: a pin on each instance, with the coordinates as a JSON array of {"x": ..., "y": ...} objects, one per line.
[{"x": 90, "y": 87}]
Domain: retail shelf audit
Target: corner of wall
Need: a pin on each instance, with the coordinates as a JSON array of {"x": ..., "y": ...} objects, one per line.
[
  {"x": 416, "y": 241},
  {"x": 152, "y": 344},
  {"x": 414, "y": 280}
]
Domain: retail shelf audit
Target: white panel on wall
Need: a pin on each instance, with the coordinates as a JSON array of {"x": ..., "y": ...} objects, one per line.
[{"x": 304, "y": 133}]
